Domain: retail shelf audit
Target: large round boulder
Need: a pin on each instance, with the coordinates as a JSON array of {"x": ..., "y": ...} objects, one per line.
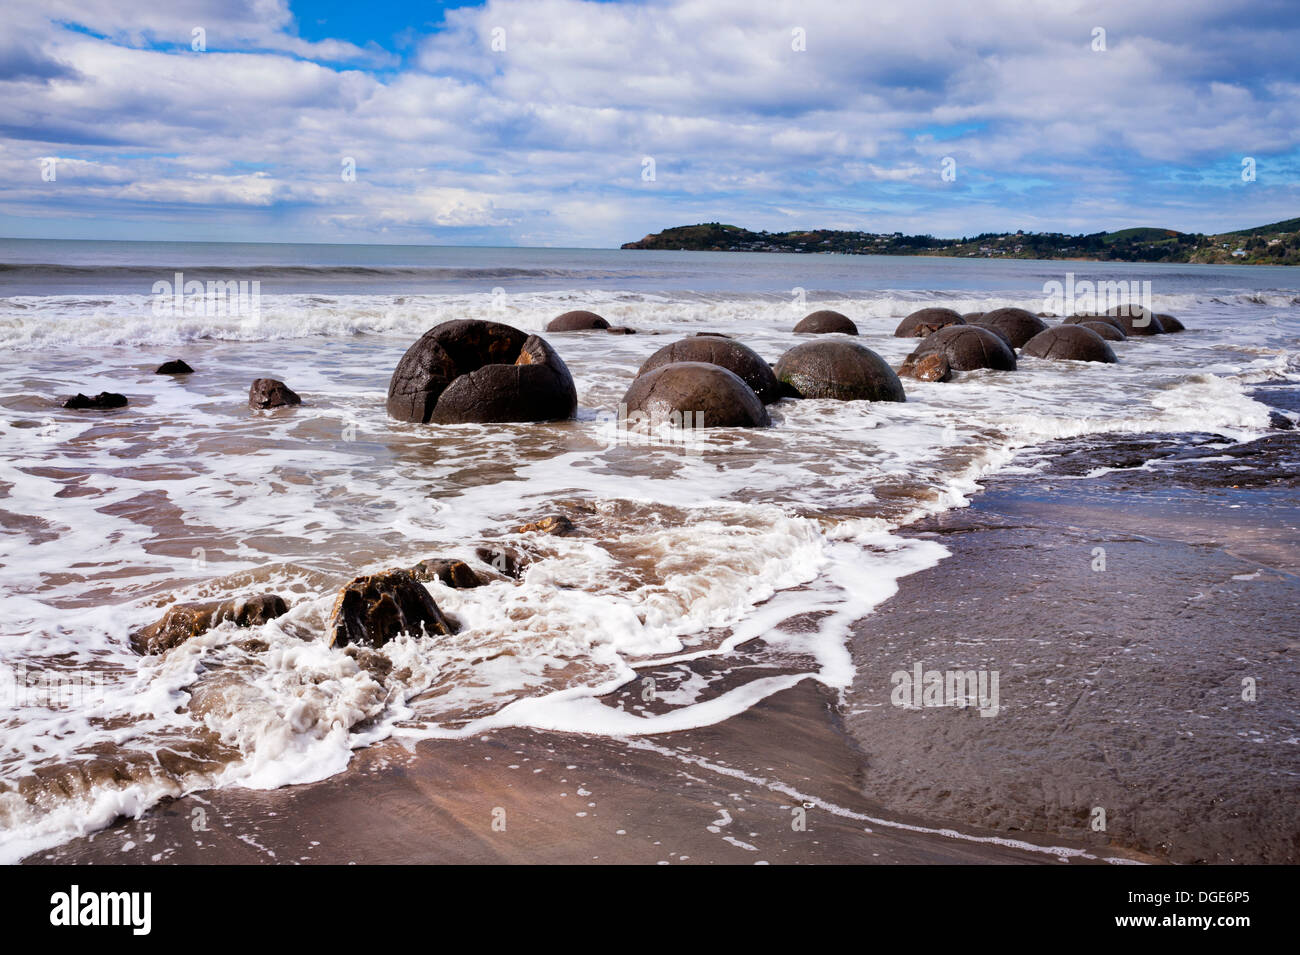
[
  {"x": 1069, "y": 343},
  {"x": 472, "y": 370},
  {"x": 726, "y": 353},
  {"x": 926, "y": 320},
  {"x": 576, "y": 321},
  {"x": 1015, "y": 325},
  {"x": 968, "y": 347},
  {"x": 1105, "y": 329},
  {"x": 845, "y": 371},
  {"x": 1136, "y": 320},
  {"x": 826, "y": 321},
  {"x": 1082, "y": 318},
  {"x": 709, "y": 394},
  {"x": 1169, "y": 324}
]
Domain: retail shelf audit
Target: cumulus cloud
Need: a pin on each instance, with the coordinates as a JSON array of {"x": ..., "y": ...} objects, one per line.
[{"x": 530, "y": 120}]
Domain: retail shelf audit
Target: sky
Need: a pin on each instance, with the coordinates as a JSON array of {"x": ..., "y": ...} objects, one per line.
[{"x": 588, "y": 124}]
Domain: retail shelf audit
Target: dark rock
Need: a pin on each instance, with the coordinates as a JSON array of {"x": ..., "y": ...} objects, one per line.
[
  {"x": 826, "y": 321},
  {"x": 968, "y": 347},
  {"x": 842, "y": 370},
  {"x": 1016, "y": 325},
  {"x": 1080, "y": 318},
  {"x": 711, "y": 335},
  {"x": 104, "y": 401},
  {"x": 471, "y": 370},
  {"x": 174, "y": 367},
  {"x": 1105, "y": 329},
  {"x": 1071, "y": 343},
  {"x": 270, "y": 393},
  {"x": 713, "y": 396},
  {"x": 926, "y": 320},
  {"x": 556, "y": 525},
  {"x": 724, "y": 352},
  {"x": 376, "y": 608},
  {"x": 453, "y": 573},
  {"x": 578, "y": 321},
  {"x": 932, "y": 367},
  {"x": 1169, "y": 324},
  {"x": 1280, "y": 422},
  {"x": 620, "y": 330},
  {"x": 185, "y": 620},
  {"x": 503, "y": 560},
  {"x": 1136, "y": 320},
  {"x": 970, "y": 318}
]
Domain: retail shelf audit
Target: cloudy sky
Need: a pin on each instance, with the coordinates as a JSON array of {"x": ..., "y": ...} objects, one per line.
[{"x": 577, "y": 123}]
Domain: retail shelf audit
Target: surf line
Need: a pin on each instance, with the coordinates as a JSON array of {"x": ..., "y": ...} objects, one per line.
[{"x": 1060, "y": 852}]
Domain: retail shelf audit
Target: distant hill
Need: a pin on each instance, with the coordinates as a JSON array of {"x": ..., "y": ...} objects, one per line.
[{"x": 1276, "y": 244}]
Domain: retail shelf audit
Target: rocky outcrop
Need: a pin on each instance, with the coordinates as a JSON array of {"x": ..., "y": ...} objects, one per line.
[
  {"x": 267, "y": 393},
  {"x": 1070, "y": 343},
  {"x": 477, "y": 371},
  {"x": 826, "y": 321},
  {"x": 841, "y": 370},
  {"x": 376, "y": 608},
  {"x": 104, "y": 401},
  {"x": 711, "y": 395},
  {"x": 182, "y": 621},
  {"x": 926, "y": 320},
  {"x": 726, "y": 353}
]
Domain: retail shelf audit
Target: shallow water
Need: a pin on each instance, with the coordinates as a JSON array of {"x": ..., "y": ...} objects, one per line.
[{"x": 782, "y": 534}]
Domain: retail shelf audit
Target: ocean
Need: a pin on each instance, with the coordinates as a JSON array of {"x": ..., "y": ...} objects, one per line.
[{"x": 755, "y": 548}]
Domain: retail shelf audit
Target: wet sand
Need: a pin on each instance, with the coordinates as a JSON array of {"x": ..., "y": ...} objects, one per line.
[{"x": 1120, "y": 689}]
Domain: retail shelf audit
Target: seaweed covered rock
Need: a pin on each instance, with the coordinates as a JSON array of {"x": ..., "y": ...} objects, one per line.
[
  {"x": 376, "y": 608},
  {"x": 1015, "y": 325},
  {"x": 576, "y": 321},
  {"x": 182, "y": 621},
  {"x": 726, "y": 353},
  {"x": 838, "y": 369},
  {"x": 476, "y": 371},
  {"x": 926, "y": 320},
  {"x": 711, "y": 395},
  {"x": 968, "y": 347},
  {"x": 1070, "y": 343},
  {"x": 826, "y": 321}
]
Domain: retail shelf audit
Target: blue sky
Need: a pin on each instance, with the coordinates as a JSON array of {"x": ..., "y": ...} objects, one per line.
[{"x": 538, "y": 122}]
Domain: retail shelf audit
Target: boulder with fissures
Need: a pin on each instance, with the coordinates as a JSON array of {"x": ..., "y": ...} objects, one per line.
[
  {"x": 476, "y": 371},
  {"x": 1136, "y": 320},
  {"x": 968, "y": 348},
  {"x": 1015, "y": 325},
  {"x": 926, "y": 320},
  {"x": 576, "y": 321},
  {"x": 694, "y": 394},
  {"x": 932, "y": 367},
  {"x": 1169, "y": 324},
  {"x": 1080, "y": 318},
  {"x": 267, "y": 393},
  {"x": 1105, "y": 329},
  {"x": 376, "y": 608},
  {"x": 183, "y": 621},
  {"x": 826, "y": 321},
  {"x": 840, "y": 370},
  {"x": 454, "y": 573},
  {"x": 726, "y": 353},
  {"x": 1069, "y": 343}
]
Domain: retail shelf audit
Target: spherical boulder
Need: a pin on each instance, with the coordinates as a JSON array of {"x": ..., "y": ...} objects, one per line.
[
  {"x": 1080, "y": 318},
  {"x": 845, "y": 371},
  {"x": 1136, "y": 320},
  {"x": 1169, "y": 324},
  {"x": 926, "y": 320},
  {"x": 712, "y": 396},
  {"x": 1105, "y": 329},
  {"x": 1016, "y": 325},
  {"x": 826, "y": 321},
  {"x": 726, "y": 353},
  {"x": 576, "y": 321},
  {"x": 971, "y": 318},
  {"x": 968, "y": 347},
  {"x": 475, "y": 371},
  {"x": 1069, "y": 343}
]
